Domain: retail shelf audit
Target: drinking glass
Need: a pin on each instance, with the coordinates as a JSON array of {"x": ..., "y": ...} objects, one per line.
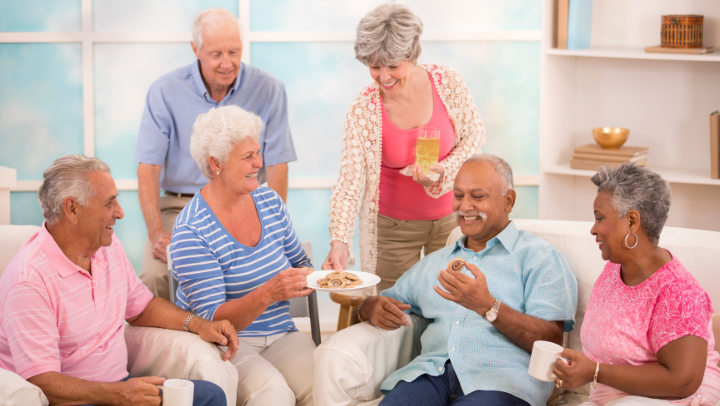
[{"x": 427, "y": 149}]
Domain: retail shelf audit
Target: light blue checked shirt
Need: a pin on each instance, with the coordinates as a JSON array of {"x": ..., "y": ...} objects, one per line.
[{"x": 525, "y": 273}]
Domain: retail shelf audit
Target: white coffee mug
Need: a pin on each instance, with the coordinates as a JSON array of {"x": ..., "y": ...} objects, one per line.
[
  {"x": 177, "y": 392},
  {"x": 542, "y": 360}
]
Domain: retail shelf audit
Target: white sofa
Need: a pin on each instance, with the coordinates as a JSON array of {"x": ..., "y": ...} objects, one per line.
[
  {"x": 351, "y": 365},
  {"x": 151, "y": 351}
]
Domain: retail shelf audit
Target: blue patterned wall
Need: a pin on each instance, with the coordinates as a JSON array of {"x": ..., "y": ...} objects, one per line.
[{"x": 41, "y": 89}]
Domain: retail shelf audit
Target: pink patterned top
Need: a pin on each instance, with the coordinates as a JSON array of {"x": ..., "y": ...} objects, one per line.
[{"x": 628, "y": 325}]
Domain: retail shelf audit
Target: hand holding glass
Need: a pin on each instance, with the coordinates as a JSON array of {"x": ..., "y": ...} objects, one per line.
[{"x": 427, "y": 149}]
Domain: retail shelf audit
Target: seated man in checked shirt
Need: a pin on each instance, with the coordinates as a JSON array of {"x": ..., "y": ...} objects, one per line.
[{"x": 515, "y": 289}]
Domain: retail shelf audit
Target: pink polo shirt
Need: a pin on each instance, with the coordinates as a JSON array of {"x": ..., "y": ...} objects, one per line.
[{"x": 56, "y": 317}]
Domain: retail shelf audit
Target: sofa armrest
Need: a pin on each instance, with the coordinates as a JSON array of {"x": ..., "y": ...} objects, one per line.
[
  {"x": 15, "y": 391},
  {"x": 178, "y": 354},
  {"x": 351, "y": 365}
]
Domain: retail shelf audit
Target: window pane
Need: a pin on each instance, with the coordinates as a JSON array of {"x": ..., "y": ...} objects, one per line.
[
  {"x": 40, "y": 15},
  {"x": 123, "y": 74},
  {"x": 308, "y": 15},
  {"x": 40, "y": 105},
  {"x": 151, "y": 15},
  {"x": 321, "y": 80},
  {"x": 478, "y": 15},
  {"x": 504, "y": 80}
]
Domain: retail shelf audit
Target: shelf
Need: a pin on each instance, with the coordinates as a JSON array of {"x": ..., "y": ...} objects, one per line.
[
  {"x": 672, "y": 175},
  {"x": 633, "y": 53}
]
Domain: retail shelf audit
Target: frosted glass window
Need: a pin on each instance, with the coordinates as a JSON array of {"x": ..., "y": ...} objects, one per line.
[
  {"x": 131, "y": 229},
  {"x": 123, "y": 74},
  {"x": 504, "y": 80},
  {"x": 151, "y": 15},
  {"x": 526, "y": 203},
  {"x": 40, "y": 105},
  {"x": 25, "y": 209},
  {"x": 321, "y": 80},
  {"x": 308, "y": 15},
  {"x": 478, "y": 15},
  {"x": 40, "y": 15}
]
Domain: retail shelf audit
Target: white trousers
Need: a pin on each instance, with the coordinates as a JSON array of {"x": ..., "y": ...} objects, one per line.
[
  {"x": 275, "y": 370},
  {"x": 632, "y": 401}
]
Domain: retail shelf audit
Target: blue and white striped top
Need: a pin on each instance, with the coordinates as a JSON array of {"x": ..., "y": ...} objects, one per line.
[{"x": 212, "y": 267}]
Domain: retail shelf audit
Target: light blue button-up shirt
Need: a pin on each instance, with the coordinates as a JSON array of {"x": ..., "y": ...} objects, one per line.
[
  {"x": 526, "y": 274},
  {"x": 176, "y": 99}
]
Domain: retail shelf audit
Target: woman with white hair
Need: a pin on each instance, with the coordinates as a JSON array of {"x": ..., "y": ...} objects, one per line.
[
  {"x": 236, "y": 257},
  {"x": 403, "y": 211},
  {"x": 647, "y": 336}
]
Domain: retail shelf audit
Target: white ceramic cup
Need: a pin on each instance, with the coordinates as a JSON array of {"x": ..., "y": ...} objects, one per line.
[
  {"x": 177, "y": 392},
  {"x": 542, "y": 360}
]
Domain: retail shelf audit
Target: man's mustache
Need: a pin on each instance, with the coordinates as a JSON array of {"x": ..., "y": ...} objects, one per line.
[{"x": 460, "y": 213}]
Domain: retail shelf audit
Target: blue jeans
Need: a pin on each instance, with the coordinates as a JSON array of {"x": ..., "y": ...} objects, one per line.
[
  {"x": 445, "y": 390},
  {"x": 204, "y": 394}
]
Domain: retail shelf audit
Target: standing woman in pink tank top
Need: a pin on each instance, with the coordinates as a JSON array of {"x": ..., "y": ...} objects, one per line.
[{"x": 401, "y": 210}]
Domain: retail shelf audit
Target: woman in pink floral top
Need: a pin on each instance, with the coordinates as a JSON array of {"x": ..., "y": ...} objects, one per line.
[{"x": 647, "y": 335}]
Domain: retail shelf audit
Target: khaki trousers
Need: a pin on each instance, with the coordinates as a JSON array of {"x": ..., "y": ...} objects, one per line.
[
  {"x": 155, "y": 272},
  {"x": 401, "y": 241},
  {"x": 275, "y": 370}
]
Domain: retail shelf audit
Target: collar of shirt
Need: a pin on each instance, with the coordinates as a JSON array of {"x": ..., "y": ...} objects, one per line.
[
  {"x": 197, "y": 76},
  {"x": 507, "y": 237},
  {"x": 62, "y": 263}
]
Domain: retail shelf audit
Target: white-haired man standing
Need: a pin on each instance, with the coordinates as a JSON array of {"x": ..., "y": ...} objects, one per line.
[
  {"x": 174, "y": 101},
  {"x": 65, "y": 297}
]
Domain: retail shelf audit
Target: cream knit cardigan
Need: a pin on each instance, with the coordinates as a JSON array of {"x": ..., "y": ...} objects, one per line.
[{"x": 362, "y": 155}]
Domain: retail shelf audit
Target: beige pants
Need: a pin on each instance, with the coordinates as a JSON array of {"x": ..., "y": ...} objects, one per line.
[
  {"x": 632, "y": 401},
  {"x": 275, "y": 370},
  {"x": 400, "y": 242},
  {"x": 154, "y": 271}
]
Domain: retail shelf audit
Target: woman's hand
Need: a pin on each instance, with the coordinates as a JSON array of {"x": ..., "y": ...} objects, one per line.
[
  {"x": 337, "y": 257},
  {"x": 286, "y": 285},
  {"x": 419, "y": 177},
  {"x": 578, "y": 371}
]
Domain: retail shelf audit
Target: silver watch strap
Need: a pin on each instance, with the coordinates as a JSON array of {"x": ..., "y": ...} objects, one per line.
[{"x": 186, "y": 324}]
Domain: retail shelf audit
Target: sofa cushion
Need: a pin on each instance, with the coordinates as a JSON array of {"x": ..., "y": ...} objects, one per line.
[
  {"x": 11, "y": 239},
  {"x": 15, "y": 391}
]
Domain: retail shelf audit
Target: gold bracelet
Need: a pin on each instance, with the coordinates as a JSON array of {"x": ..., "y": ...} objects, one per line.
[
  {"x": 597, "y": 369},
  {"x": 358, "y": 311}
]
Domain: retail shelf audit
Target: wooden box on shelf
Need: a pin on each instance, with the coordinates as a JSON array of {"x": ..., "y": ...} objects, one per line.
[{"x": 682, "y": 31}]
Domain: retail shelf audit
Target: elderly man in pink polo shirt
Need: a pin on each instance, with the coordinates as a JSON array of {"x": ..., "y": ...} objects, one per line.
[{"x": 64, "y": 299}]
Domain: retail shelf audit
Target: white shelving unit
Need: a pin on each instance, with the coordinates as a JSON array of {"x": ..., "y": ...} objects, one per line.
[{"x": 664, "y": 99}]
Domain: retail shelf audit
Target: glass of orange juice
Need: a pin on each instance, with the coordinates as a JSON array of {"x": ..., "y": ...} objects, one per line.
[{"x": 427, "y": 149}]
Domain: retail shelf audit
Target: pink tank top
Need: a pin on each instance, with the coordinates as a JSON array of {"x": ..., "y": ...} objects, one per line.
[{"x": 400, "y": 196}]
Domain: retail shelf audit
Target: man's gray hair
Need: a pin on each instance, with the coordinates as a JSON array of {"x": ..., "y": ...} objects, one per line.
[
  {"x": 216, "y": 133},
  {"x": 212, "y": 17},
  {"x": 68, "y": 177},
  {"x": 634, "y": 187},
  {"x": 501, "y": 166},
  {"x": 388, "y": 34}
]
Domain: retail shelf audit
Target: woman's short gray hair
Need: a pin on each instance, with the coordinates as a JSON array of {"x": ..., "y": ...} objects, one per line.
[
  {"x": 634, "y": 187},
  {"x": 216, "y": 133},
  {"x": 212, "y": 17},
  {"x": 387, "y": 35},
  {"x": 501, "y": 166},
  {"x": 68, "y": 177}
]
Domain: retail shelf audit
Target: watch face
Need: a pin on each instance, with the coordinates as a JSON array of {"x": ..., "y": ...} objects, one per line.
[{"x": 491, "y": 316}]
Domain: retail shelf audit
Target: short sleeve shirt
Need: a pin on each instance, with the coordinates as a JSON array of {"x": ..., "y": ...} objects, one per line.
[
  {"x": 57, "y": 317},
  {"x": 526, "y": 274},
  {"x": 176, "y": 99},
  {"x": 628, "y": 325}
]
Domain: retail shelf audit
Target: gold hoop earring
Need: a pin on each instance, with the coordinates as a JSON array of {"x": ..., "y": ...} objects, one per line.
[{"x": 636, "y": 241}]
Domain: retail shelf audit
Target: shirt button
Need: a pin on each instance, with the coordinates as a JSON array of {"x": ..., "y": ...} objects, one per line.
[
  {"x": 457, "y": 322},
  {"x": 440, "y": 369},
  {"x": 453, "y": 349}
]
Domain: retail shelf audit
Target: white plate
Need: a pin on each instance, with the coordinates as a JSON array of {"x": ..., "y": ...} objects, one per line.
[{"x": 368, "y": 280}]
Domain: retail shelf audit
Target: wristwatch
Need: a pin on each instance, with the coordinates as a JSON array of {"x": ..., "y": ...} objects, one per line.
[
  {"x": 491, "y": 315},
  {"x": 186, "y": 324}
]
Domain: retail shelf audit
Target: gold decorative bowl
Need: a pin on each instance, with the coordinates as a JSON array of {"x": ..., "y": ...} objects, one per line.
[{"x": 611, "y": 137}]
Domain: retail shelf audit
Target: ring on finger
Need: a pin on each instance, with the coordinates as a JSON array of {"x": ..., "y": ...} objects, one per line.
[{"x": 559, "y": 383}]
